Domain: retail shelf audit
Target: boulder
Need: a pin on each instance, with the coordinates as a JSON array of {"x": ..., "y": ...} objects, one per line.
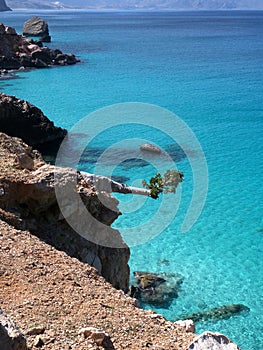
[
  {"x": 148, "y": 147},
  {"x": 11, "y": 338},
  {"x": 188, "y": 325},
  {"x": 99, "y": 337},
  {"x": 20, "y": 118},
  {"x": 36, "y": 26},
  {"x": 40, "y": 64},
  {"x": 156, "y": 289},
  {"x": 212, "y": 341},
  {"x": 42, "y": 54}
]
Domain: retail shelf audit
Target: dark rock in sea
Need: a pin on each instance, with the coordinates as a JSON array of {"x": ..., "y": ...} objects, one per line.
[
  {"x": 120, "y": 178},
  {"x": 218, "y": 313},
  {"x": 156, "y": 289},
  {"x": 175, "y": 152},
  {"x": 148, "y": 147},
  {"x": 16, "y": 51},
  {"x": 3, "y": 6},
  {"x": 36, "y": 26},
  {"x": 20, "y": 118},
  {"x": 133, "y": 163}
]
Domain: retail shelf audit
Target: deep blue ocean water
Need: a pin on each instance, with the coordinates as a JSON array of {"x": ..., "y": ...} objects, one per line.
[{"x": 207, "y": 68}]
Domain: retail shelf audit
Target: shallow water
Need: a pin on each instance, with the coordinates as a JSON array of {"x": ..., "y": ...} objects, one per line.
[{"x": 206, "y": 68}]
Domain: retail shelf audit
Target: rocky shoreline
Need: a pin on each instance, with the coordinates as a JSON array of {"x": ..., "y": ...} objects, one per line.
[
  {"x": 19, "y": 53},
  {"x": 50, "y": 275},
  {"x": 63, "y": 290}
]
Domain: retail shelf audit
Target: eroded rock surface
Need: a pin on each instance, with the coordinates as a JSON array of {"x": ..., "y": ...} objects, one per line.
[
  {"x": 28, "y": 194},
  {"x": 20, "y": 118}
]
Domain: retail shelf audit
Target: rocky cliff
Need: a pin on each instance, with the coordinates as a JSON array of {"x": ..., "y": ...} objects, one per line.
[
  {"x": 3, "y": 6},
  {"x": 28, "y": 200},
  {"x": 20, "y": 118}
]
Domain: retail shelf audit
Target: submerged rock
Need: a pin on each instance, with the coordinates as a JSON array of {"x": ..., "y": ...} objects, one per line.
[
  {"x": 148, "y": 147},
  {"x": 212, "y": 341},
  {"x": 156, "y": 289},
  {"x": 36, "y": 26},
  {"x": 217, "y": 313}
]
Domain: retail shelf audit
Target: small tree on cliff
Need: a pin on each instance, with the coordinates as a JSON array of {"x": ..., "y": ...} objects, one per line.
[
  {"x": 157, "y": 184},
  {"x": 167, "y": 183}
]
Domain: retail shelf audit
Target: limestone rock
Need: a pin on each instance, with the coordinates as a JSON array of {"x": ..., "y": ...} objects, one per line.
[
  {"x": 148, "y": 147},
  {"x": 11, "y": 337},
  {"x": 188, "y": 325},
  {"x": 31, "y": 196},
  {"x": 36, "y": 26},
  {"x": 212, "y": 341},
  {"x": 20, "y": 118}
]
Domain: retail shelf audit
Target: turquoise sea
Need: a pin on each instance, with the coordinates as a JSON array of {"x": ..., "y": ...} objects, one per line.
[{"x": 207, "y": 68}]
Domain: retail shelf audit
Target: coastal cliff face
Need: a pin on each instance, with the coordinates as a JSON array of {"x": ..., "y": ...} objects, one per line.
[
  {"x": 28, "y": 201},
  {"x": 20, "y": 118},
  {"x": 3, "y": 6}
]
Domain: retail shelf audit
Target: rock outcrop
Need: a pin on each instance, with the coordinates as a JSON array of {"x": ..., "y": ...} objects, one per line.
[
  {"x": 36, "y": 26},
  {"x": 27, "y": 191},
  {"x": 11, "y": 338},
  {"x": 212, "y": 341},
  {"x": 20, "y": 118},
  {"x": 156, "y": 289},
  {"x": 16, "y": 51},
  {"x": 3, "y": 6}
]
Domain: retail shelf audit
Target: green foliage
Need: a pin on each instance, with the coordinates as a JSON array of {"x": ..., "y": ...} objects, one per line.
[{"x": 167, "y": 184}]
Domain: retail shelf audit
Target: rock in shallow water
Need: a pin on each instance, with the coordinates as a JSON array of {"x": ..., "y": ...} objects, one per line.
[
  {"x": 156, "y": 289},
  {"x": 148, "y": 147},
  {"x": 216, "y": 313},
  {"x": 36, "y": 26}
]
